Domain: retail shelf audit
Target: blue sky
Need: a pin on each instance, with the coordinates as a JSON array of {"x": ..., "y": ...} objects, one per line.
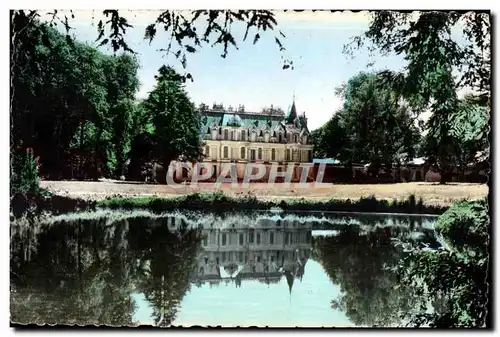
[{"x": 253, "y": 75}]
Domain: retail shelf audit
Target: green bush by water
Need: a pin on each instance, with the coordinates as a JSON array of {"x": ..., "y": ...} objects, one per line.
[{"x": 218, "y": 202}]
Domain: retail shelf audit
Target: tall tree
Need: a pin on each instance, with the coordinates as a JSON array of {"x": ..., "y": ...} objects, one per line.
[
  {"x": 433, "y": 55},
  {"x": 67, "y": 99},
  {"x": 175, "y": 120},
  {"x": 122, "y": 85},
  {"x": 329, "y": 139},
  {"x": 374, "y": 125}
]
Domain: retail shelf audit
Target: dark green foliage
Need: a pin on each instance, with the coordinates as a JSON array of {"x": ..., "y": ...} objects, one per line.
[
  {"x": 329, "y": 139},
  {"x": 465, "y": 228},
  {"x": 218, "y": 202},
  {"x": 426, "y": 42},
  {"x": 26, "y": 181},
  {"x": 82, "y": 271},
  {"x": 427, "y": 81},
  {"x": 172, "y": 129},
  {"x": 69, "y": 102},
  {"x": 455, "y": 279},
  {"x": 373, "y": 126}
]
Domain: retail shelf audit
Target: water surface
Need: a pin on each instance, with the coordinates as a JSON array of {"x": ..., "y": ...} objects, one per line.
[{"x": 257, "y": 269}]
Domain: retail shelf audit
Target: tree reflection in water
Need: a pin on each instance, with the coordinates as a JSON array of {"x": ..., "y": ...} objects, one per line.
[
  {"x": 82, "y": 271},
  {"x": 361, "y": 263}
]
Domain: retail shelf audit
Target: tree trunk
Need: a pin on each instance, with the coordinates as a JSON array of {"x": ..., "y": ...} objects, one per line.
[
  {"x": 443, "y": 172},
  {"x": 166, "y": 163}
]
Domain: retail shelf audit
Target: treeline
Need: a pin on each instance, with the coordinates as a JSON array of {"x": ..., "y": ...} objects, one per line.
[
  {"x": 374, "y": 123},
  {"x": 68, "y": 100},
  {"x": 74, "y": 109},
  {"x": 379, "y": 125}
]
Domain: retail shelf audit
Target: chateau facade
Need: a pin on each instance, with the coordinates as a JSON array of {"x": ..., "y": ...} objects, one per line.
[
  {"x": 267, "y": 251},
  {"x": 268, "y": 137}
]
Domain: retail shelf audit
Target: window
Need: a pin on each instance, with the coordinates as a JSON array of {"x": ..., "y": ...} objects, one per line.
[
  {"x": 252, "y": 154},
  {"x": 296, "y": 138},
  {"x": 240, "y": 257},
  {"x": 309, "y": 156},
  {"x": 288, "y": 154},
  {"x": 242, "y": 154},
  {"x": 232, "y": 135},
  {"x": 205, "y": 241},
  {"x": 223, "y": 257},
  {"x": 244, "y": 135},
  {"x": 241, "y": 239},
  {"x": 226, "y": 152},
  {"x": 250, "y": 237},
  {"x": 224, "y": 239},
  {"x": 273, "y": 154},
  {"x": 271, "y": 238},
  {"x": 207, "y": 150},
  {"x": 226, "y": 134},
  {"x": 280, "y": 137},
  {"x": 254, "y": 136},
  {"x": 260, "y": 153},
  {"x": 258, "y": 238}
]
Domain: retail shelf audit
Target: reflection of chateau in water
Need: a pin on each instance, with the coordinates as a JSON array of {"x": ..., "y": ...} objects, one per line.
[{"x": 266, "y": 251}]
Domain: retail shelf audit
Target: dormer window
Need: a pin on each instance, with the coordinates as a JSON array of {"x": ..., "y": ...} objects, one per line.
[
  {"x": 266, "y": 137},
  {"x": 214, "y": 134}
]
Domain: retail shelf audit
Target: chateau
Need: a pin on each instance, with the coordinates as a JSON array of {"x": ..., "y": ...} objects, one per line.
[
  {"x": 266, "y": 251},
  {"x": 234, "y": 135}
]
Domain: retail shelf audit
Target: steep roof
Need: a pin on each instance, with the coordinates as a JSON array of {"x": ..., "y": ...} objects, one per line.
[{"x": 265, "y": 120}]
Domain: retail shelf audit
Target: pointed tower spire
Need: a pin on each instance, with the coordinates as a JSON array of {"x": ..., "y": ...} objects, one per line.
[
  {"x": 292, "y": 114},
  {"x": 289, "y": 280}
]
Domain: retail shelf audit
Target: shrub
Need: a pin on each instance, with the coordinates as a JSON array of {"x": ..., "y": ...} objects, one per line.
[
  {"x": 26, "y": 180},
  {"x": 457, "y": 278}
]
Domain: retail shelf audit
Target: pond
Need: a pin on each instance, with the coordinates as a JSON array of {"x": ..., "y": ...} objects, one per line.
[{"x": 200, "y": 269}]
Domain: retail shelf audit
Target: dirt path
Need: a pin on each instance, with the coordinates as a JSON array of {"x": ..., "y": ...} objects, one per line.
[{"x": 431, "y": 193}]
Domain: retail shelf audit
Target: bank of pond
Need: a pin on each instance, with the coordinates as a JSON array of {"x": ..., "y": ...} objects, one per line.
[{"x": 219, "y": 203}]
